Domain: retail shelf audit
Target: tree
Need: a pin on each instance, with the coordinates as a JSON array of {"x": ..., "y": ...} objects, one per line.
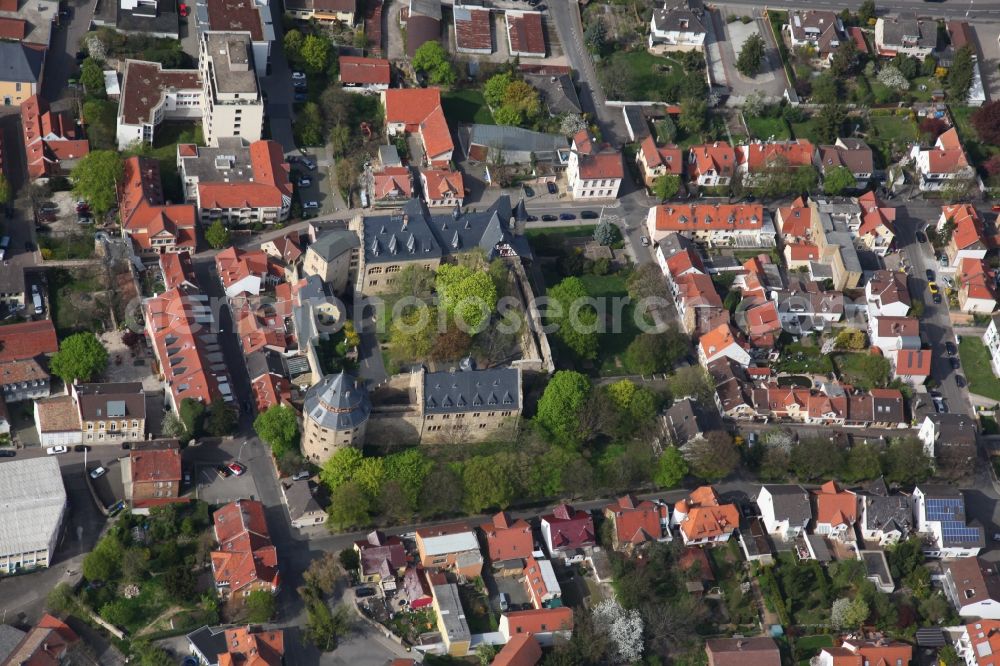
[
  {"x": 560, "y": 406},
  {"x": 624, "y": 629},
  {"x": 92, "y": 78},
  {"x": 522, "y": 96},
  {"x": 816, "y": 459},
  {"x": 119, "y": 612},
  {"x": 411, "y": 336},
  {"x": 451, "y": 344},
  {"x": 101, "y": 118},
  {"x": 349, "y": 559},
  {"x": 145, "y": 654},
  {"x": 666, "y": 130},
  {"x": 960, "y": 75},
  {"x": 649, "y": 353},
  {"x": 6, "y": 192},
  {"x": 325, "y": 572},
  {"x": 323, "y": 627},
  {"x": 571, "y": 124},
  {"x": 135, "y": 564},
  {"x": 102, "y": 563},
  {"x": 350, "y": 507},
  {"x": 341, "y": 467},
  {"x": 905, "y": 462},
  {"x": 848, "y": 614},
  {"x": 825, "y": 89},
  {"x": 667, "y": 187},
  {"x": 508, "y": 116},
  {"x": 309, "y": 127},
  {"x": 293, "y": 46},
  {"x": 316, "y": 52},
  {"x": 838, "y": 180},
  {"x": 907, "y": 66},
  {"x": 192, "y": 414},
  {"x": 488, "y": 482},
  {"x": 496, "y": 88},
  {"x": 60, "y": 599},
  {"x": 853, "y": 339},
  {"x": 573, "y": 315},
  {"x": 986, "y": 121},
  {"x": 605, "y": 233},
  {"x": 80, "y": 356},
  {"x": 863, "y": 463},
  {"x": 409, "y": 469},
  {"x": 751, "y": 56},
  {"x": 220, "y": 419},
  {"x": 830, "y": 122},
  {"x": 671, "y": 468},
  {"x": 432, "y": 60},
  {"x": 179, "y": 582},
  {"x": 217, "y": 235},
  {"x": 278, "y": 427},
  {"x": 694, "y": 115},
  {"x": 892, "y": 78},
  {"x": 442, "y": 491},
  {"x": 95, "y": 177},
  {"x": 260, "y": 606},
  {"x": 594, "y": 36},
  {"x": 469, "y": 296},
  {"x": 340, "y": 140},
  {"x": 714, "y": 456},
  {"x": 867, "y": 11},
  {"x": 646, "y": 281},
  {"x": 754, "y": 104},
  {"x": 845, "y": 59},
  {"x": 692, "y": 382}
]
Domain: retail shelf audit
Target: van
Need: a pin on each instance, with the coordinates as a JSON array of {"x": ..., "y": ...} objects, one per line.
[
  {"x": 36, "y": 299},
  {"x": 504, "y": 602},
  {"x": 4, "y": 243}
]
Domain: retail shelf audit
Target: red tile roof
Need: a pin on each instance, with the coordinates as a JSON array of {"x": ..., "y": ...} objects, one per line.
[
  {"x": 160, "y": 464},
  {"x": 684, "y": 262},
  {"x": 524, "y": 30},
  {"x": 636, "y": 522},
  {"x": 24, "y": 370},
  {"x": 947, "y": 155},
  {"x": 671, "y": 158},
  {"x": 596, "y": 162},
  {"x": 270, "y": 188},
  {"x": 835, "y": 506},
  {"x": 48, "y": 137},
  {"x": 913, "y": 362},
  {"x": 253, "y": 648},
  {"x": 709, "y": 217},
  {"x": 177, "y": 269},
  {"x": 357, "y": 71},
  {"x": 474, "y": 32},
  {"x": 261, "y": 327},
  {"x": 270, "y": 390},
  {"x": 968, "y": 227},
  {"x": 706, "y": 518},
  {"x": 393, "y": 182},
  {"x": 975, "y": 280},
  {"x": 245, "y": 553},
  {"x": 27, "y": 340},
  {"x": 144, "y": 85},
  {"x": 758, "y": 156},
  {"x": 718, "y": 157},
  {"x": 145, "y": 217},
  {"x": 858, "y": 35},
  {"x": 443, "y": 184},
  {"x": 803, "y": 252},
  {"x": 234, "y": 264},
  {"x": 419, "y": 110},
  {"x": 14, "y": 29},
  {"x": 506, "y": 539},
  {"x": 520, "y": 650},
  {"x": 570, "y": 528},
  {"x": 45, "y": 645},
  {"x": 539, "y": 621}
]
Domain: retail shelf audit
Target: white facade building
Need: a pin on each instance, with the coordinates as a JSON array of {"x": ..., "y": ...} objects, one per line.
[{"x": 32, "y": 508}]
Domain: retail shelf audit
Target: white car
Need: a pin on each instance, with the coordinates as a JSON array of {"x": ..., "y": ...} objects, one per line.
[
  {"x": 298, "y": 76},
  {"x": 56, "y": 450},
  {"x": 305, "y": 182},
  {"x": 98, "y": 473},
  {"x": 298, "y": 476},
  {"x": 310, "y": 205},
  {"x": 644, "y": 241}
]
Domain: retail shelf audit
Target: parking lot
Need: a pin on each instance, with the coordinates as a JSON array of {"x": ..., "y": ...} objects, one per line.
[
  {"x": 514, "y": 587},
  {"x": 211, "y": 488},
  {"x": 110, "y": 487}
]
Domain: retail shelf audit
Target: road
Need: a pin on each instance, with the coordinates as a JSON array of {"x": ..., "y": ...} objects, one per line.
[
  {"x": 955, "y": 9},
  {"x": 60, "y": 61}
]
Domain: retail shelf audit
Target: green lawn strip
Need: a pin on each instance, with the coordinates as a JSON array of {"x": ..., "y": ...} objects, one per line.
[
  {"x": 798, "y": 359},
  {"x": 892, "y": 127},
  {"x": 862, "y": 370},
  {"x": 805, "y": 130},
  {"x": 569, "y": 231},
  {"x": 651, "y": 74},
  {"x": 621, "y": 327},
  {"x": 467, "y": 106},
  {"x": 767, "y": 128},
  {"x": 978, "y": 371}
]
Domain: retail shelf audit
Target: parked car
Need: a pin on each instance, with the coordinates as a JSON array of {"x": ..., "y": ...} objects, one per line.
[
  {"x": 504, "y": 602},
  {"x": 7, "y": 453},
  {"x": 589, "y": 215},
  {"x": 237, "y": 468},
  {"x": 363, "y": 592},
  {"x": 304, "y": 474},
  {"x": 532, "y": 218},
  {"x": 305, "y": 182},
  {"x": 955, "y": 363},
  {"x": 552, "y": 188},
  {"x": 528, "y": 192},
  {"x": 183, "y": 10},
  {"x": 186, "y": 477},
  {"x": 645, "y": 241},
  {"x": 98, "y": 473},
  {"x": 937, "y": 299},
  {"x": 567, "y": 216},
  {"x": 115, "y": 509},
  {"x": 949, "y": 347},
  {"x": 80, "y": 448},
  {"x": 307, "y": 163},
  {"x": 549, "y": 218},
  {"x": 56, "y": 450},
  {"x": 310, "y": 205},
  {"x": 960, "y": 381},
  {"x": 921, "y": 237},
  {"x": 298, "y": 76},
  {"x": 932, "y": 287},
  {"x": 223, "y": 472},
  {"x": 48, "y": 206},
  {"x": 930, "y": 275},
  {"x": 300, "y": 97}
]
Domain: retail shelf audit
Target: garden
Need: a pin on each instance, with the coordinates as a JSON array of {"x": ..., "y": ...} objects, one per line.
[
  {"x": 862, "y": 370},
  {"x": 801, "y": 358},
  {"x": 466, "y": 105},
  {"x": 978, "y": 369},
  {"x": 77, "y": 300}
]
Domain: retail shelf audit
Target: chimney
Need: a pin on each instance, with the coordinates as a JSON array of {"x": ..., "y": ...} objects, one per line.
[{"x": 406, "y": 220}]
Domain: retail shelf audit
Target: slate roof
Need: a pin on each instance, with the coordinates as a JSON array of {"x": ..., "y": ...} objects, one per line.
[
  {"x": 557, "y": 92},
  {"x": 468, "y": 390},
  {"x": 887, "y": 512},
  {"x": 678, "y": 19},
  {"x": 337, "y": 402},
  {"x": 334, "y": 243},
  {"x": 791, "y": 503},
  {"x": 111, "y": 401},
  {"x": 400, "y": 236},
  {"x": 894, "y": 31},
  {"x": 684, "y": 420},
  {"x": 300, "y": 499},
  {"x": 20, "y": 63}
]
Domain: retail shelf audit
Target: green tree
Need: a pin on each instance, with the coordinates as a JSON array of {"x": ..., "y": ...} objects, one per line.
[
  {"x": 751, "y": 56},
  {"x": 95, "y": 177},
  {"x": 845, "y": 59},
  {"x": 349, "y": 559},
  {"x": 495, "y": 89},
  {"x": 523, "y": 98},
  {"x": 6, "y": 192},
  {"x": 92, "y": 78},
  {"x": 691, "y": 382},
  {"x": 442, "y": 491},
  {"x": 830, "y": 122},
  {"x": 867, "y": 11},
  {"x": 508, "y": 116},
  {"x": 671, "y": 468},
  {"x": 574, "y": 317},
  {"x": 180, "y": 583},
  {"x": 863, "y": 463},
  {"x": 260, "y": 606},
  {"x": 325, "y": 571},
  {"x": 350, "y": 507},
  {"x": 848, "y": 613},
  {"x": 192, "y": 413},
  {"x": 119, "y": 612},
  {"x": 278, "y": 427},
  {"x": 487, "y": 482},
  {"x": 633, "y": 406},
  {"x": 694, "y": 115},
  {"x": 656, "y": 352},
  {"x": 293, "y": 46},
  {"x": 309, "y": 127},
  {"x": 605, "y": 233},
  {"x": 370, "y": 474},
  {"x": 146, "y": 654},
  {"x": 595, "y": 35},
  {"x": 220, "y": 419},
  {"x": 838, "y": 180},
  {"x": 80, "y": 356},
  {"x": 60, "y": 599},
  {"x": 411, "y": 336},
  {"x": 340, "y": 140},
  {"x": 103, "y": 563},
  {"x": 852, "y": 339},
  {"x": 409, "y": 469},
  {"x": 816, "y": 459},
  {"x": 316, "y": 53},
  {"x": 666, "y": 130},
  {"x": 666, "y": 187},
  {"x": 468, "y": 295},
  {"x": 341, "y": 467},
  {"x": 714, "y": 456},
  {"x": 561, "y": 406},
  {"x": 323, "y": 627},
  {"x": 217, "y": 235},
  {"x": 432, "y": 60},
  {"x": 905, "y": 462},
  {"x": 101, "y": 119},
  {"x": 960, "y": 75}
]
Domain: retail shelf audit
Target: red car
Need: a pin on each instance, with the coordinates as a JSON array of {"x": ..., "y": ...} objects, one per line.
[
  {"x": 236, "y": 468},
  {"x": 182, "y": 9}
]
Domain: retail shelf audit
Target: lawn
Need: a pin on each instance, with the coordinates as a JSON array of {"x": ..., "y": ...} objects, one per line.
[
  {"x": 808, "y": 647},
  {"x": 477, "y": 610},
  {"x": 798, "y": 359},
  {"x": 621, "y": 328},
  {"x": 978, "y": 371},
  {"x": 892, "y": 127},
  {"x": 805, "y": 130},
  {"x": 466, "y": 106},
  {"x": 651, "y": 76},
  {"x": 865, "y": 371},
  {"x": 75, "y": 246},
  {"x": 768, "y": 128},
  {"x": 73, "y": 304}
]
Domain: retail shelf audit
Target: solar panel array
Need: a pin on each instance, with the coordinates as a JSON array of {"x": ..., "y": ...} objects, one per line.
[
  {"x": 954, "y": 532},
  {"x": 945, "y": 509}
]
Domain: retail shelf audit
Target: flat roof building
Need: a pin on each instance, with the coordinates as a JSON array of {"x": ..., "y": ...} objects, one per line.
[
  {"x": 232, "y": 105},
  {"x": 32, "y": 507}
]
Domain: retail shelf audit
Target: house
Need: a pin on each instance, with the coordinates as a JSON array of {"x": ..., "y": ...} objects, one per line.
[
  {"x": 699, "y": 306},
  {"x": 715, "y": 225},
  {"x": 235, "y": 182},
  {"x": 967, "y": 238},
  {"x": 111, "y": 411},
  {"x": 855, "y": 652},
  {"x": 973, "y": 587},
  {"x": 243, "y": 16},
  {"x": 557, "y": 90},
  {"x": 890, "y": 334},
  {"x": 913, "y": 366},
  {"x": 886, "y": 518},
  {"x": 977, "y": 643},
  {"x": 150, "y": 95},
  {"x": 473, "y": 33},
  {"x": 976, "y": 287},
  {"x": 382, "y": 558},
  {"x": 21, "y": 76},
  {"x": 763, "y": 324},
  {"x": 246, "y": 560},
  {"x": 940, "y": 516},
  {"x": 525, "y": 36},
  {"x": 836, "y": 510},
  {"x": 944, "y": 164},
  {"x": 504, "y": 144},
  {"x": 703, "y": 520},
  {"x": 834, "y": 227},
  {"x": 805, "y": 307},
  {"x": 423, "y": 24},
  {"x": 451, "y": 621},
  {"x": 27, "y": 340},
  {"x": 520, "y": 650},
  {"x": 852, "y": 154},
  {"x": 731, "y": 395},
  {"x": 738, "y": 651},
  {"x": 324, "y": 11},
  {"x": 34, "y": 501},
  {"x": 239, "y": 645},
  {"x": 593, "y": 172},
  {"x": 153, "y": 226},
  {"x": 711, "y": 165},
  {"x": 23, "y": 379},
  {"x": 469, "y": 404},
  {"x": 656, "y": 161},
  {"x": 991, "y": 340},
  {"x": 887, "y": 294},
  {"x": 303, "y": 509},
  {"x": 722, "y": 341},
  {"x": 335, "y": 414},
  {"x": 391, "y": 186},
  {"x": 785, "y": 509},
  {"x": 540, "y": 579},
  {"x": 950, "y": 440},
  {"x": 246, "y": 272},
  {"x": 877, "y": 230},
  {"x": 567, "y": 532},
  {"x": 507, "y": 539},
  {"x": 686, "y": 421},
  {"x": 818, "y": 29},
  {"x": 151, "y": 474},
  {"x": 546, "y": 625},
  {"x": 442, "y": 188},
  {"x": 232, "y": 100},
  {"x": 634, "y": 523},
  {"x": 757, "y": 159},
  {"x": 48, "y": 642},
  {"x": 904, "y": 35},
  {"x": 359, "y": 74},
  {"x": 334, "y": 258},
  {"x": 415, "y": 588},
  {"x": 52, "y": 144},
  {"x": 57, "y": 421},
  {"x": 418, "y": 111},
  {"x": 678, "y": 28},
  {"x": 452, "y": 546}
]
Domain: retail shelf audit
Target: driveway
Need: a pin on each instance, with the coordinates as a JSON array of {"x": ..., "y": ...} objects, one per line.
[
  {"x": 60, "y": 61},
  {"x": 770, "y": 80}
]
